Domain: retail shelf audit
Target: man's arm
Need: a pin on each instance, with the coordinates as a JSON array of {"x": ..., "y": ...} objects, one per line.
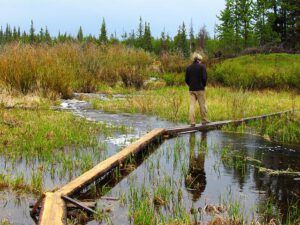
[
  {"x": 204, "y": 76},
  {"x": 187, "y": 77}
]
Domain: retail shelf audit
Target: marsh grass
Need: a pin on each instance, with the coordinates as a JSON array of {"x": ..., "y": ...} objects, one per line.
[
  {"x": 39, "y": 132},
  {"x": 58, "y": 70},
  {"x": 47, "y": 142},
  {"x": 19, "y": 184},
  {"x": 172, "y": 103},
  {"x": 280, "y": 71},
  {"x": 223, "y": 103},
  {"x": 282, "y": 129}
]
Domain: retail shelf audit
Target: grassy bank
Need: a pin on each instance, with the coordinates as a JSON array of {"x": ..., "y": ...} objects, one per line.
[
  {"x": 284, "y": 129},
  {"x": 259, "y": 71},
  {"x": 172, "y": 103},
  {"x": 52, "y": 145}
]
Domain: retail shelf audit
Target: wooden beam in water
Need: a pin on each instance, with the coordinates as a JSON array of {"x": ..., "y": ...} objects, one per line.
[
  {"x": 219, "y": 124},
  {"x": 53, "y": 210},
  {"x": 108, "y": 164}
]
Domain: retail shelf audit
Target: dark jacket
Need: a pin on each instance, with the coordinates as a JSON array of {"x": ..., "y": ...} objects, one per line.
[{"x": 195, "y": 76}]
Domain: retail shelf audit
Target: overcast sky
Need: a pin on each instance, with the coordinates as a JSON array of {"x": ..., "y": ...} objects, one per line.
[{"x": 120, "y": 15}]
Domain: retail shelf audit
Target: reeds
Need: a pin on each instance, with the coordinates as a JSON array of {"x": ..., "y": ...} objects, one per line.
[{"x": 60, "y": 69}]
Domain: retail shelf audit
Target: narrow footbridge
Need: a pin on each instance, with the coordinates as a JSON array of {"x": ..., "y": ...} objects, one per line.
[{"x": 53, "y": 204}]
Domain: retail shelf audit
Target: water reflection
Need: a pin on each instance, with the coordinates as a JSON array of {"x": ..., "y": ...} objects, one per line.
[{"x": 195, "y": 181}]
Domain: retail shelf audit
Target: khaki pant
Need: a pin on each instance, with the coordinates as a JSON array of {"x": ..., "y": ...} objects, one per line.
[{"x": 200, "y": 97}]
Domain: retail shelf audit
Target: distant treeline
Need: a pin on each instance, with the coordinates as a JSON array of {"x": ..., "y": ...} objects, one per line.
[
  {"x": 245, "y": 26},
  {"x": 141, "y": 38}
]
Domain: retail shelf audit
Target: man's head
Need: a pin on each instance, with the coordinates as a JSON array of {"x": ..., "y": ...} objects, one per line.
[{"x": 197, "y": 57}]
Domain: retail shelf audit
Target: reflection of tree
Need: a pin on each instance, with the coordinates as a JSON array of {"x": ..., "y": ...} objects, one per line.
[{"x": 195, "y": 180}]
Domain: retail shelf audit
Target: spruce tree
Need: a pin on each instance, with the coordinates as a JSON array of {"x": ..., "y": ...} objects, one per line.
[
  {"x": 140, "y": 34},
  {"x": 180, "y": 41},
  {"x": 24, "y": 37},
  {"x": 147, "y": 38},
  {"x": 225, "y": 29},
  {"x": 7, "y": 34},
  {"x": 79, "y": 35},
  {"x": 47, "y": 36},
  {"x": 41, "y": 35},
  {"x": 15, "y": 34},
  {"x": 31, "y": 33},
  {"x": 163, "y": 43},
  {"x": 19, "y": 32},
  {"x": 192, "y": 38},
  {"x": 103, "y": 34},
  {"x": 1, "y": 36},
  {"x": 184, "y": 43}
]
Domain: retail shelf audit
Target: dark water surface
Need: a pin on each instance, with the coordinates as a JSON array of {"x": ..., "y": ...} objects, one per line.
[
  {"x": 213, "y": 181},
  {"x": 191, "y": 164}
]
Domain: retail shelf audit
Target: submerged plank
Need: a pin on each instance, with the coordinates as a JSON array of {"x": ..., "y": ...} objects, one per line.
[
  {"x": 53, "y": 210},
  {"x": 70, "y": 206},
  {"x": 79, "y": 204},
  {"x": 109, "y": 163}
]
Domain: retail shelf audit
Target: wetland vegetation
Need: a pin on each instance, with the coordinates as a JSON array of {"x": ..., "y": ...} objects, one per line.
[{"x": 69, "y": 102}]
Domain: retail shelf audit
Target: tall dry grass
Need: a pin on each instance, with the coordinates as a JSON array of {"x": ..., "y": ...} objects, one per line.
[{"x": 60, "y": 69}]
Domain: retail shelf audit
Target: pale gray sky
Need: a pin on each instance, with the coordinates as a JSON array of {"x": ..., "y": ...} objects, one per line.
[{"x": 68, "y": 15}]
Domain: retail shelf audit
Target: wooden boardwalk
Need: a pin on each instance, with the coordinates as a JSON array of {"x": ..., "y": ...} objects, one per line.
[{"x": 53, "y": 207}]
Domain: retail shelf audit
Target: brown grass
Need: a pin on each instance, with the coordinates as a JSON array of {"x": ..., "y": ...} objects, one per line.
[{"x": 58, "y": 70}]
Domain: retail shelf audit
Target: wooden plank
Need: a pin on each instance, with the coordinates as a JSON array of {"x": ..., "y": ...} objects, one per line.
[
  {"x": 53, "y": 210},
  {"x": 109, "y": 163},
  {"x": 219, "y": 124},
  {"x": 79, "y": 204}
]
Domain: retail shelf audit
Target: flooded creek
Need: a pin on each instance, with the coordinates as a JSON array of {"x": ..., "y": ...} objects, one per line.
[{"x": 180, "y": 178}]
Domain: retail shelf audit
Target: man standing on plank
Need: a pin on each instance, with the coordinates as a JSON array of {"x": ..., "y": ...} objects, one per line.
[{"x": 195, "y": 78}]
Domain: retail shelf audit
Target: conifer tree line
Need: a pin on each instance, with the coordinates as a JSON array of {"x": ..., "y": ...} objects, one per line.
[
  {"x": 244, "y": 24},
  {"x": 184, "y": 41},
  {"x": 259, "y": 23}
]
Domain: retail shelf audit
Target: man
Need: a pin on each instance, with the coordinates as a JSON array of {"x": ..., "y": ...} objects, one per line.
[{"x": 195, "y": 78}]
